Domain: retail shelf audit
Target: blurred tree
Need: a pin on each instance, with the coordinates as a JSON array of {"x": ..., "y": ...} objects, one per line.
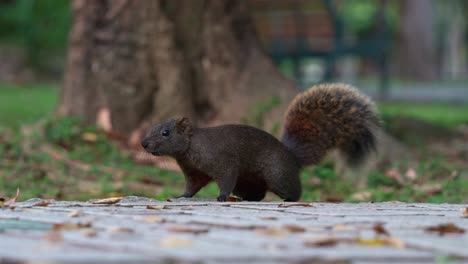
[
  {"x": 135, "y": 61},
  {"x": 417, "y": 49},
  {"x": 39, "y": 28}
]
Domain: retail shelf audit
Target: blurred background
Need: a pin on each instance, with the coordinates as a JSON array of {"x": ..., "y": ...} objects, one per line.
[{"x": 80, "y": 82}]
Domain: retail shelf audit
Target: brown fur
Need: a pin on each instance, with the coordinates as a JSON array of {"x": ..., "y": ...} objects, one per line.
[{"x": 328, "y": 116}]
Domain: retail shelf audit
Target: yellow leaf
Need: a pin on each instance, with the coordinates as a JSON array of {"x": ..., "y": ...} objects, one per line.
[
  {"x": 154, "y": 219},
  {"x": 90, "y": 137},
  {"x": 273, "y": 231},
  {"x": 156, "y": 207},
  {"x": 379, "y": 241},
  {"x": 174, "y": 241}
]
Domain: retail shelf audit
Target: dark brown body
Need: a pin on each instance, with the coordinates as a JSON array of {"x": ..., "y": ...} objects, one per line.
[
  {"x": 248, "y": 162},
  {"x": 241, "y": 159}
]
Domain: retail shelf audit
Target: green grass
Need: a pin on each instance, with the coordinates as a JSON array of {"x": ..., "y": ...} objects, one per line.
[
  {"x": 39, "y": 174},
  {"x": 25, "y": 104},
  {"x": 449, "y": 115}
]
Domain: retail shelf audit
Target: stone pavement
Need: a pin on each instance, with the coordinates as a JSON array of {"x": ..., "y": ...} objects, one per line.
[{"x": 141, "y": 230}]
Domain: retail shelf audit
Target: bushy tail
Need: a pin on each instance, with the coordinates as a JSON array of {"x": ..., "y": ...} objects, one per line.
[{"x": 330, "y": 116}]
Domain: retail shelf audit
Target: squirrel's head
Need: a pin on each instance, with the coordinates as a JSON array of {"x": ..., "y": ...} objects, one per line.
[{"x": 169, "y": 138}]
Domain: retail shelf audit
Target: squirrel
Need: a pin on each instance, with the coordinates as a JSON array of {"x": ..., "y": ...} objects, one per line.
[{"x": 248, "y": 162}]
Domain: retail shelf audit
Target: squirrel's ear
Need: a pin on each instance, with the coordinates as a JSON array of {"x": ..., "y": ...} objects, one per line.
[{"x": 184, "y": 126}]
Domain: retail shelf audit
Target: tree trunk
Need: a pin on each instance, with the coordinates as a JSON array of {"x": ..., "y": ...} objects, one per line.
[
  {"x": 417, "y": 57},
  {"x": 137, "y": 61}
]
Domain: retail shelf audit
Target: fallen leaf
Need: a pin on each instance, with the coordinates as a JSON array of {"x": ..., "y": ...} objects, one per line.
[
  {"x": 320, "y": 241},
  {"x": 234, "y": 199},
  {"x": 395, "y": 175},
  {"x": 465, "y": 212},
  {"x": 156, "y": 207},
  {"x": 186, "y": 229},
  {"x": 411, "y": 174},
  {"x": 54, "y": 236},
  {"x": 13, "y": 200},
  {"x": 379, "y": 241},
  {"x": 380, "y": 230},
  {"x": 269, "y": 218},
  {"x": 43, "y": 203},
  {"x": 112, "y": 200},
  {"x": 429, "y": 189},
  {"x": 334, "y": 199},
  {"x": 343, "y": 227},
  {"x": 103, "y": 119},
  {"x": 71, "y": 226},
  {"x": 362, "y": 196},
  {"x": 75, "y": 213},
  {"x": 89, "y": 232},
  {"x": 120, "y": 229},
  {"x": 90, "y": 137},
  {"x": 174, "y": 241},
  {"x": 274, "y": 231},
  {"x": 295, "y": 204},
  {"x": 443, "y": 229},
  {"x": 294, "y": 228},
  {"x": 154, "y": 219}
]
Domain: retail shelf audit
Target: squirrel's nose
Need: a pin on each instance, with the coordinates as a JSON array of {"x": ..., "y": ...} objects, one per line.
[{"x": 145, "y": 143}]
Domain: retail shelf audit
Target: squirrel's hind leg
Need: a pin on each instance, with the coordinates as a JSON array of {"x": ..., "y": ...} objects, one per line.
[
  {"x": 251, "y": 191},
  {"x": 286, "y": 184}
]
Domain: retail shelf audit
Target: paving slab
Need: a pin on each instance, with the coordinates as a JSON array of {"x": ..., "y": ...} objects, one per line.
[{"x": 142, "y": 230}]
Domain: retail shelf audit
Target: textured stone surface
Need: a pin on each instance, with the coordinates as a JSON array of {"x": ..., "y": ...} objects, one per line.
[{"x": 212, "y": 232}]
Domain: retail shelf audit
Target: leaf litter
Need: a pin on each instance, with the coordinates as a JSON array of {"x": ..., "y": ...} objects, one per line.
[{"x": 11, "y": 201}]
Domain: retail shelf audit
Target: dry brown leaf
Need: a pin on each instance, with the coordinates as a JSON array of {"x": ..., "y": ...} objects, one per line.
[
  {"x": 443, "y": 229},
  {"x": 53, "y": 236},
  {"x": 112, "y": 200},
  {"x": 187, "y": 229},
  {"x": 89, "y": 232},
  {"x": 320, "y": 241},
  {"x": 465, "y": 212},
  {"x": 75, "y": 213},
  {"x": 154, "y": 219},
  {"x": 380, "y": 230},
  {"x": 43, "y": 203},
  {"x": 343, "y": 227},
  {"x": 362, "y": 196},
  {"x": 156, "y": 207},
  {"x": 90, "y": 137},
  {"x": 294, "y": 228},
  {"x": 234, "y": 199},
  {"x": 13, "y": 200},
  {"x": 429, "y": 189},
  {"x": 411, "y": 174},
  {"x": 173, "y": 241},
  {"x": 295, "y": 204},
  {"x": 120, "y": 229},
  {"x": 274, "y": 231},
  {"x": 268, "y": 218},
  {"x": 103, "y": 119},
  {"x": 395, "y": 175},
  {"x": 71, "y": 226}
]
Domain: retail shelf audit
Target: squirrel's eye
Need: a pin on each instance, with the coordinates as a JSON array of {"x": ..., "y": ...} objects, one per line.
[{"x": 165, "y": 133}]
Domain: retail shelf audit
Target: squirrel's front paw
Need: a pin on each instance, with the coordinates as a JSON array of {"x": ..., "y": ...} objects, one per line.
[{"x": 222, "y": 198}]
